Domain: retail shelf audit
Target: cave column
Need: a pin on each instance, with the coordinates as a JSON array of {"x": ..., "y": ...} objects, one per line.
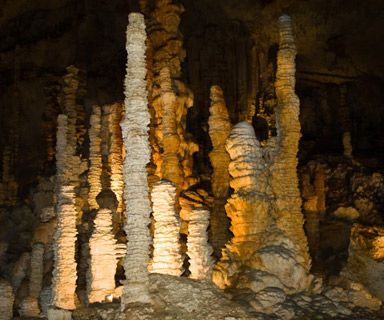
[{"x": 136, "y": 194}]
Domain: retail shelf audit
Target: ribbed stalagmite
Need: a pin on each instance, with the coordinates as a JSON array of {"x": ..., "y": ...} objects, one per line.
[
  {"x": 248, "y": 207},
  {"x": 6, "y": 300},
  {"x": 95, "y": 168},
  {"x": 103, "y": 258},
  {"x": 115, "y": 157},
  {"x": 284, "y": 179},
  {"x": 219, "y": 130},
  {"x": 64, "y": 273},
  {"x": 136, "y": 194},
  {"x": 30, "y": 306},
  {"x": 167, "y": 258},
  {"x": 199, "y": 250},
  {"x": 170, "y": 168}
]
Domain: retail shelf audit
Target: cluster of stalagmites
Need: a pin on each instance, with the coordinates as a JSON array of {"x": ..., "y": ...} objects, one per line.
[{"x": 268, "y": 248}]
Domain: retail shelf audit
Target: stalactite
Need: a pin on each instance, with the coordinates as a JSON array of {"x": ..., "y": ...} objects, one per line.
[
  {"x": 105, "y": 144},
  {"x": 136, "y": 194},
  {"x": 167, "y": 258},
  {"x": 30, "y": 306},
  {"x": 64, "y": 273},
  {"x": 6, "y": 301},
  {"x": 199, "y": 250},
  {"x": 103, "y": 258},
  {"x": 115, "y": 158},
  {"x": 284, "y": 180},
  {"x": 219, "y": 130},
  {"x": 345, "y": 122},
  {"x": 95, "y": 168}
]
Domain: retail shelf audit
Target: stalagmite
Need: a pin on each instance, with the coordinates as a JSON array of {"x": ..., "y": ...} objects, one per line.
[
  {"x": 136, "y": 194},
  {"x": 269, "y": 247},
  {"x": 284, "y": 180},
  {"x": 248, "y": 207},
  {"x": 170, "y": 169},
  {"x": 6, "y": 300},
  {"x": 64, "y": 273},
  {"x": 103, "y": 258},
  {"x": 115, "y": 158},
  {"x": 199, "y": 250},
  {"x": 167, "y": 258},
  {"x": 219, "y": 130},
  {"x": 30, "y": 306},
  {"x": 94, "y": 174}
]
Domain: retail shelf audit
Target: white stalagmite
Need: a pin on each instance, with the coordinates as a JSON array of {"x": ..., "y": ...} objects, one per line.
[
  {"x": 103, "y": 258},
  {"x": 64, "y": 273},
  {"x": 167, "y": 258},
  {"x": 219, "y": 130},
  {"x": 136, "y": 192},
  {"x": 95, "y": 169},
  {"x": 30, "y": 306},
  {"x": 199, "y": 250},
  {"x": 6, "y": 300}
]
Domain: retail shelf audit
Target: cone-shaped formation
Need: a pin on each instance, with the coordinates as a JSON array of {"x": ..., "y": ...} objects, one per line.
[
  {"x": 219, "y": 130},
  {"x": 30, "y": 306},
  {"x": 64, "y": 273},
  {"x": 103, "y": 258},
  {"x": 6, "y": 300},
  {"x": 95, "y": 168},
  {"x": 167, "y": 258},
  {"x": 136, "y": 194},
  {"x": 284, "y": 180},
  {"x": 199, "y": 250}
]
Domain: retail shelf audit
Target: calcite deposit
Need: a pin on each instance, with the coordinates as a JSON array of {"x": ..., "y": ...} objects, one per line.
[
  {"x": 6, "y": 301},
  {"x": 95, "y": 167},
  {"x": 199, "y": 250},
  {"x": 219, "y": 130},
  {"x": 167, "y": 257},
  {"x": 136, "y": 194}
]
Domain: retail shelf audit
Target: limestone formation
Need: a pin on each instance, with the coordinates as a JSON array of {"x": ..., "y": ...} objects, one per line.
[
  {"x": 30, "y": 306},
  {"x": 94, "y": 174},
  {"x": 365, "y": 260},
  {"x": 345, "y": 122},
  {"x": 6, "y": 301},
  {"x": 167, "y": 257},
  {"x": 115, "y": 158},
  {"x": 269, "y": 247},
  {"x": 64, "y": 273},
  {"x": 136, "y": 194},
  {"x": 219, "y": 130},
  {"x": 199, "y": 250},
  {"x": 103, "y": 258},
  {"x": 8, "y": 184}
]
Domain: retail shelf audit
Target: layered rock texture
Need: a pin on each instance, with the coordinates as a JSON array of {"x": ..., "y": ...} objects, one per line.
[
  {"x": 199, "y": 250},
  {"x": 219, "y": 130},
  {"x": 6, "y": 301},
  {"x": 167, "y": 257},
  {"x": 266, "y": 196},
  {"x": 136, "y": 194},
  {"x": 64, "y": 273}
]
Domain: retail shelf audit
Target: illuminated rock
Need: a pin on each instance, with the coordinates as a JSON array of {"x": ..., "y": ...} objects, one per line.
[
  {"x": 64, "y": 273},
  {"x": 199, "y": 250},
  {"x": 136, "y": 194},
  {"x": 219, "y": 130},
  {"x": 103, "y": 258},
  {"x": 167, "y": 258},
  {"x": 6, "y": 301},
  {"x": 95, "y": 168}
]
